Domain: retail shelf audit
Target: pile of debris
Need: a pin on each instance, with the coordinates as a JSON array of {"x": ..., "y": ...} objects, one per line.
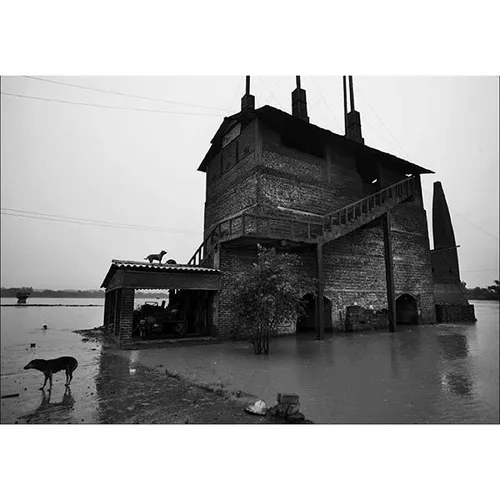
[{"x": 286, "y": 407}]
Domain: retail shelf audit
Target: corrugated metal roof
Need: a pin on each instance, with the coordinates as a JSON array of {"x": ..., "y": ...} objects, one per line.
[
  {"x": 146, "y": 266},
  {"x": 167, "y": 267}
]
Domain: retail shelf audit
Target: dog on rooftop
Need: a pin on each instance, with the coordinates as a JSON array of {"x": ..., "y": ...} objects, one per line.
[
  {"x": 154, "y": 257},
  {"x": 50, "y": 366}
]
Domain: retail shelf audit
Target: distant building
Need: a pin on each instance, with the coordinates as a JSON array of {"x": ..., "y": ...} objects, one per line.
[{"x": 22, "y": 297}]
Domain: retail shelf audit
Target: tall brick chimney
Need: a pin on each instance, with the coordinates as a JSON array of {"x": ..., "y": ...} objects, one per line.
[
  {"x": 299, "y": 102},
  {"x": 352, "y": 118},
  {"x": 442, "y": 228},
  {"x": 248, "y": 100}
]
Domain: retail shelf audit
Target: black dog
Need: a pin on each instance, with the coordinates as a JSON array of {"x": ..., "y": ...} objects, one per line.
[{"x": 50, "y": 366}]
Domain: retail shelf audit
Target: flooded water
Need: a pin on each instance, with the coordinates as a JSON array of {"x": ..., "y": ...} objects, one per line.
[
  {"x": 23, "y": 339},
  {"x": 427, "y": 374}
]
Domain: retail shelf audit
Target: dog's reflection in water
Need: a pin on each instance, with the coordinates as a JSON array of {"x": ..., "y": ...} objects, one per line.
[{"x": 48, "y": 409}]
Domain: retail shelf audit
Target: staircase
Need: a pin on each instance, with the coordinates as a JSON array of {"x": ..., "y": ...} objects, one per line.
[{"x": 321, "y": 229}]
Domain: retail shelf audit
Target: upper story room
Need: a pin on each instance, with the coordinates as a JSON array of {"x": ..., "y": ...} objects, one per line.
[{"x": 281, "y": 159}]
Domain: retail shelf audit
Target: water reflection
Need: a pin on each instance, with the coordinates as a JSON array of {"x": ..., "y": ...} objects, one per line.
[
  {"x": 306, "y": 349},
  {"x": 394, "y": 356},
  {"x": 409, "y": 344},
  {"x": 456, "y": 383},
  {"x": 454, "y": 346},
  {"x": 55, "y": 411}
]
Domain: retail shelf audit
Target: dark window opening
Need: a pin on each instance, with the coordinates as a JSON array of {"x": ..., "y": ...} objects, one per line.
[
  {"x": 406, "y": 310},
  {"x": 306, "y": 322},
  {"x": 304, "y": 144}
]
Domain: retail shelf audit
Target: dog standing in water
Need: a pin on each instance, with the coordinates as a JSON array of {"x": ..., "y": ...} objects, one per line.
[{"x": 50, "y": 366}]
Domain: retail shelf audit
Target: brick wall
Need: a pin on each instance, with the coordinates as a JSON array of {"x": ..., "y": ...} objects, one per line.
[
  {"x": 303, "y": 182},
  {"x": 354, "y": 265},
  {"x": 231, "y": 180},
  {"x": 238, "y": 197},
  {"x": 126, "y": 316},
  {"x": 232, "y": 261}
]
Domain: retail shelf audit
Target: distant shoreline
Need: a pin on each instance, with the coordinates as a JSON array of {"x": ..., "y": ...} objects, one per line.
[
  {"x": 11, "y": 293},
  {"x": 51, "y": 305}
]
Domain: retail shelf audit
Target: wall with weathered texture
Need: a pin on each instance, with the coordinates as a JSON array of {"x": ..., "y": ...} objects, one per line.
[
  {"x": 233, "y": 260},
  {"x": 231, "y": 180},
  {"x": 295, "y": 180},
  {"x": 293, "y": 183},
  {"x": 355, "y": 265}
]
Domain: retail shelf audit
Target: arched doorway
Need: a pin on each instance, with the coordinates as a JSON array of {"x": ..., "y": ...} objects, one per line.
[
  {"x": 307, "y": 322},
  {"x": 406, "y": 310}
]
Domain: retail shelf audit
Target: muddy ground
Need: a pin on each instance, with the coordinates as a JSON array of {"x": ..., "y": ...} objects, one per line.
[{"x": 112, "y": 386}]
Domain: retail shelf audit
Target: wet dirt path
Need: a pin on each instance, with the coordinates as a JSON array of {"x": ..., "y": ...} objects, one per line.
[{"x": 111, "y": 386}]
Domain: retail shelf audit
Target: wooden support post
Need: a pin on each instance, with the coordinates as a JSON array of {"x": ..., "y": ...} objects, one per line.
[
  {"x": 320, "y": 308},
  {"x": 389, "y": 272},
  {"x": 106, "y": 308},
  {"x": 118, "y": 296}
]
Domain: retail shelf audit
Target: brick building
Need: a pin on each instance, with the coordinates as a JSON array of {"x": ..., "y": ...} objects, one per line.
[
  {"x": 349, "y": 210},
  {"x": 353, "y": 213}
]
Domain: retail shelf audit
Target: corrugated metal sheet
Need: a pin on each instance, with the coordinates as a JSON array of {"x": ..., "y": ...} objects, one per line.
[
  {"x": 163, "y": 267},
  {"x": 146, "y": 266}
]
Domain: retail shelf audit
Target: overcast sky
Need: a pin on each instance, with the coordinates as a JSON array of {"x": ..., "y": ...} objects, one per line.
[{"x": 123, "y": 166}]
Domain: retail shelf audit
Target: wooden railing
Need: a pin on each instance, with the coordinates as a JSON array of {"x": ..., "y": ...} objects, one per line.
[{"x": 327, "y": 227}]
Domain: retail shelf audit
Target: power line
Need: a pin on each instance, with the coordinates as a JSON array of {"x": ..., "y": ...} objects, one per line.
[
  {"x": 125, "y": 94},
  {"x": 380, "y": 120},
  {"x": 76, "y": 220},
  {"x": 406, "y": 156},
  {"x": 272, "y": 93},
  {"x": 108, "y": 107},
  {"x": 453, "y": 211},
  {"x": 234, "y": 96},
  {"x": 275, "y": 89},
  {"x": 326, "y": 104}
]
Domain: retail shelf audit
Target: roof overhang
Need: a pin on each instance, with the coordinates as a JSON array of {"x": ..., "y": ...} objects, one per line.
[
  {"x": 140, "y": 275},
  {"x": 284, "y": 122}
]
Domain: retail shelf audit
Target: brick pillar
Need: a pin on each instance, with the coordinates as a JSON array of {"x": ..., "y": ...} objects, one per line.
[
  {"x": 126, "y": 316},
  {"x": 213, "y": 313},
  {"x": 320, "y": 307},
  {"x": 389, "y": 271}
]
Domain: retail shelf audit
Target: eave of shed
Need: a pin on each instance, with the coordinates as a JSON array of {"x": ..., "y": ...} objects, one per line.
[{"x": 146, "y": 267}]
